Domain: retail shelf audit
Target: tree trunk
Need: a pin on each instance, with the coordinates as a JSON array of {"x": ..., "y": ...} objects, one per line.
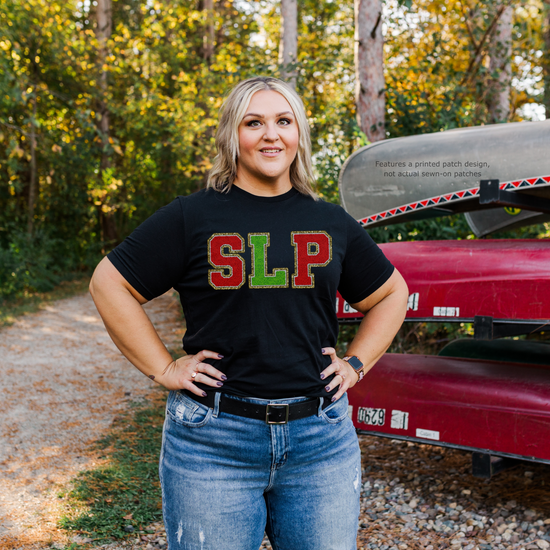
[
  {"x": 369, "y": 69},
  {"x": 546, "y": 57},
  {"x": 288, "y": 51},
  {"x": 103, "y": 33},
  {"x": 32, "y": 183},
  {"x": 208, "y": 38},
  {"x": 500, "y": 53}
]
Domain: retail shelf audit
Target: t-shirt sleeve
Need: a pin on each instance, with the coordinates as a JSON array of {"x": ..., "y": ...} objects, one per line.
[
  {"x": 152, "y": 259},
  {"x": 365, "y": 268}
]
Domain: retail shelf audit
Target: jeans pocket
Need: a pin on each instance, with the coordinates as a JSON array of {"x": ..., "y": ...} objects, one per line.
[
  {"x": 336, "y": 412},
  {"x": 187, "y": 412}
]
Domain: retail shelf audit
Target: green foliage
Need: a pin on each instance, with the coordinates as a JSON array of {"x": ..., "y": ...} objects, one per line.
[
  {"x": 29, "y": 265},
  {"x": 125, "y": 490},
  {"x": 163, "y": 96},
  {"x": 437, "y": 74},
  {"x": 413, "y": 337},
  {"x": 326, "y": 74},
  {"x": 452, "y": 227}
]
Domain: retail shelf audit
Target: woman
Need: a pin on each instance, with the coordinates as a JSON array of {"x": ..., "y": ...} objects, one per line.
[{"x": 257, "y": 434}]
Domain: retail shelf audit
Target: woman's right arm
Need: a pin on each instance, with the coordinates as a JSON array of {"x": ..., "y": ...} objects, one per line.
[{"x": 120, "y": 307}]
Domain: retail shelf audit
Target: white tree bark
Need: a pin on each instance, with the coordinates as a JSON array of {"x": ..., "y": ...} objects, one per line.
[
  {"x": 288, "y": 51},
  {"x": 209, "y": 37},
  {"x": 500, "y": 66},
  {"x": 546, "y": 56},
  {"x": 103, "y": 33},
  {"x": 369, "y": 69}
]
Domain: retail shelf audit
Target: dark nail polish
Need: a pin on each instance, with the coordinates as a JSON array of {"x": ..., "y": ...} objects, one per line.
[
  {"x": 333, "y": 399},
  {"x": 204, "y": 394},
  {"x": 327, "y": 388},
  {"x": 322, "y": 376},
  {"x": 220, "y": 355},
  {"x": 323, "y": 350},
  {"x": 224, "y": 377},
  {"x": 219, "y": 383}
]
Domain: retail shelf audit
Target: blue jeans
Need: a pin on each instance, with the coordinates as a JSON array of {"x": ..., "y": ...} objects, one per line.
[{"x": 225, "y": 479}]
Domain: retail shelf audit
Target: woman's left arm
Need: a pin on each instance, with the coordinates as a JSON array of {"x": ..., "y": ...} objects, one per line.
[{"x": 384, "y": 312}]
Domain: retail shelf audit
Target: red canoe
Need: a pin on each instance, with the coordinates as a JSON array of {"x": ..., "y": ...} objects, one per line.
[
  {"x": 457, "y": 280},
  {"x": 489, "y": 406}
]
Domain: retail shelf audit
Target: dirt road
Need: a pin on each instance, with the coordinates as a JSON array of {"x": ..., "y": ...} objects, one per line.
[{"x": 62, "y": 382}]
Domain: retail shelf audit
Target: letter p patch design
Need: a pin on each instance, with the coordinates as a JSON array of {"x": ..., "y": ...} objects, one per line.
[{"x": 311, "y": 249}]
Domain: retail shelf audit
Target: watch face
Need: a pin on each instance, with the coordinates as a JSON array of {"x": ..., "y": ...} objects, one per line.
[{"x": 355, "y": 363}]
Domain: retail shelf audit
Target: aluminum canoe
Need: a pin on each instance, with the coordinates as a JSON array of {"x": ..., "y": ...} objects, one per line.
[
  {"x": 485, "y": 222},
  {"x": 428, "y": 175}
]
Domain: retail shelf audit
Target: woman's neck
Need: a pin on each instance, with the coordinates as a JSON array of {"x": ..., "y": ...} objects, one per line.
[{"x": 261, "y": 187}]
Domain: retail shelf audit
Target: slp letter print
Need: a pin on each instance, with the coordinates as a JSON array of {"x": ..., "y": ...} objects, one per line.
[{"x": 311, "y": 249}]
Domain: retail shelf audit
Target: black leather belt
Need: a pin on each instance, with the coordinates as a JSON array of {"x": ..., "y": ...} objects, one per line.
[{"x": 271, "y": 414}]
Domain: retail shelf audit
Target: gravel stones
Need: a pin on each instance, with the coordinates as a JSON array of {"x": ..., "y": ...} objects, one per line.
[{"x": 435, "y": 503}]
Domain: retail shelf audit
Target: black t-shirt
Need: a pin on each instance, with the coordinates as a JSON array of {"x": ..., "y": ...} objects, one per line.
[{"x": 257, "y": 278}]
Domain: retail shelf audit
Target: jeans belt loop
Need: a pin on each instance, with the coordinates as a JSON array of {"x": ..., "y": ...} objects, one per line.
[
  {"x": 216, "y": 405},
  {"x": 276, "y": 407}
]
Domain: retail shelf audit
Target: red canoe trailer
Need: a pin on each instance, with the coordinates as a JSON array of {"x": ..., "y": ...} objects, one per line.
[
  {"x": 488, "y": 407},
  {"x": 457, "y": 281},
  {"x": 488, "y": 396}
]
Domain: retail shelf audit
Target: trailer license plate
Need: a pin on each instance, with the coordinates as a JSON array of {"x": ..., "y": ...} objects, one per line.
[{"x": 373, "y": 417}]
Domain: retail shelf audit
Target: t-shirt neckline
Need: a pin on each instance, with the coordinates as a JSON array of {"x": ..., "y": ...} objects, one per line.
[{"x": 277, "y": 198}]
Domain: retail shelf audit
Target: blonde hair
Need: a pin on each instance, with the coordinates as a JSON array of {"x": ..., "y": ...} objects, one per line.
[{"x": 224, "y": 170}]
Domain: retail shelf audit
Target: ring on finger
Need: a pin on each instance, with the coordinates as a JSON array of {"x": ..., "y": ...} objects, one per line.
[{"x": 194, "y": 374}]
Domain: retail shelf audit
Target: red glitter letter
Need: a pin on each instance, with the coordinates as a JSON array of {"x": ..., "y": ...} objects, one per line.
[
  {"x": 311, "y": 249},
  {"x": 222, "y": 249}
]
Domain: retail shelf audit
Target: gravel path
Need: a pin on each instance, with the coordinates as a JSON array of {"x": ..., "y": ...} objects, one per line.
[
  {"x": 63, "y": 382},
  {"x": 419, "y": 496}
]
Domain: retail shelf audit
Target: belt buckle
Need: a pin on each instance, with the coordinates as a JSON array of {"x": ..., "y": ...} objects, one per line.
[{"x": 286, "y": 408}]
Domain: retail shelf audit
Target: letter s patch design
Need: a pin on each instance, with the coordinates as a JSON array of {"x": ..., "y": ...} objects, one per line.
[{"x": 222, "y": 254}]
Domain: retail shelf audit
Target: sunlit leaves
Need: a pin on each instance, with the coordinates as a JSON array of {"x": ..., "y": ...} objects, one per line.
[
  {"x": 437, "y": 64},
  {"x": 163, "y": 96}
]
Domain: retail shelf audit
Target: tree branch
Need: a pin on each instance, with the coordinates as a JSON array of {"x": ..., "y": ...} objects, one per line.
[
  {"x": 476, "y": 58},
  {"x": 16, "y": 128},
  {"x": 468, "y": 28}
]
